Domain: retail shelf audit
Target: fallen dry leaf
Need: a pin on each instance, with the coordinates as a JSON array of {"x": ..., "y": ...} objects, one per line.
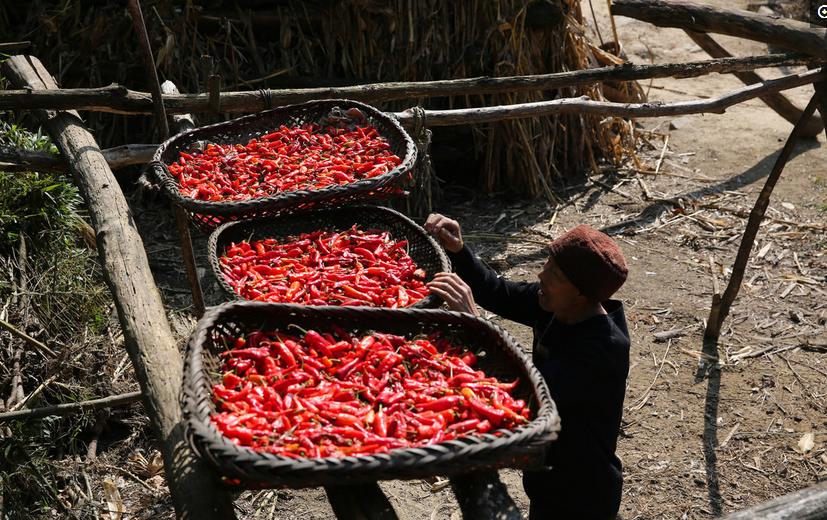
[
  {"x": 114, "y": 504},
  {"x": 807, "y": 442}
]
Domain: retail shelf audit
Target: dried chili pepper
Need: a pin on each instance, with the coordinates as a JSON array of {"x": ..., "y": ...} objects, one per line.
[
  {"x": 355, "y": 267},
  {"x": 339, "y": 394},
  {"x": 304, "y": 157}
]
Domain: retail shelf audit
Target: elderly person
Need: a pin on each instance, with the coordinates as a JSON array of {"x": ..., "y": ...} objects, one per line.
[{"x": 580, "y": 346}]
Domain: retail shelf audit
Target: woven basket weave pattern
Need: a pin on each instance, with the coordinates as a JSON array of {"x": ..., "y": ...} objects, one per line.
[
  {"x": 499, "y": 355},
  {"x": 207, "y": 214},
  {"x": 423, "y": 249}
]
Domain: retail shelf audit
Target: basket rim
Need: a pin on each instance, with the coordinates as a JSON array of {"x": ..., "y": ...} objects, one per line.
[
  {"x": 204, "y": 435},
  {"x": 257, "y": 223},
  {"x": 169, "y": 186}
]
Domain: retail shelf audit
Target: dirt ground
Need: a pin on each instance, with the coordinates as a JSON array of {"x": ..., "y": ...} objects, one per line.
[{"x": 692, "y": 448}]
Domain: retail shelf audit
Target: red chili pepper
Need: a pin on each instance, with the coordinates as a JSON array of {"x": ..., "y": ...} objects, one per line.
[
  {"x": 379, "y": 392},
  {"x": 316, "y": 341},
  {"x": 299, "y": 270},
  {"x": 443, "y": 403}
]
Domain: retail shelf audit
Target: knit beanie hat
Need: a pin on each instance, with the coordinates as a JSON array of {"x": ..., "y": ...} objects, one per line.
[{"x": 591, "y": 260}]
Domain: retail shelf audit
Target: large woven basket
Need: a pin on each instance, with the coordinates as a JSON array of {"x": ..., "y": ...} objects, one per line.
[
  {"x": 207, "y": 215},
  {"x": 423, "y": 249},
  {"x": 499, "y": 355}
]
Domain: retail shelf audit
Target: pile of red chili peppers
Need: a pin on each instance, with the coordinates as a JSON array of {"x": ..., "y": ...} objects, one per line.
[
  {"x": 331, "y": 396},
  {"x": 353, "y": 267},
  {"x": 305, "y": 157}
]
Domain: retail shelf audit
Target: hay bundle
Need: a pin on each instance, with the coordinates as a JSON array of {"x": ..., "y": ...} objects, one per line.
[{"x": 313, "y": 43}]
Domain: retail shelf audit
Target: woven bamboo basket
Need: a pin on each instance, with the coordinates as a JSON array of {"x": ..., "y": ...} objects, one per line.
[
  {"x": 208, "y": 214},
  {"x": 423, "y": 249},
  {"x": 499, "y": 355}
]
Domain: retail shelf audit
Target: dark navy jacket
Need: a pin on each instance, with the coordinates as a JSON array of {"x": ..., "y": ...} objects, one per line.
[{"x": 585, "y": 366}]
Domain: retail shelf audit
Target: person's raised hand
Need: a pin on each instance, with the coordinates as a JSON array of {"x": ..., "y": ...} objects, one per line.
[
  {"x": 446, "y": 230},
  {"x": 455, "y": 292}
]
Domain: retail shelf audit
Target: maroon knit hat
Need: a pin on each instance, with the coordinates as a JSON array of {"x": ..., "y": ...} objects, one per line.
[{"x": 591, "y": 260}]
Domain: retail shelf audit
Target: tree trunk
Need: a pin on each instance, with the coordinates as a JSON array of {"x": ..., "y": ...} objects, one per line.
[
  {"x": 808, "y": 504},
  {"x": 196, "y": 492}
]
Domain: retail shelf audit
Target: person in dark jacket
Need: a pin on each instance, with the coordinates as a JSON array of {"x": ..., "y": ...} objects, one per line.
[{"x": 580, "y": 346}]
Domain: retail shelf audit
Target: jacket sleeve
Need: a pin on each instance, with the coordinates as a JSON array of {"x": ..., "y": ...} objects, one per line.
[{"x": 515, "y": 301}]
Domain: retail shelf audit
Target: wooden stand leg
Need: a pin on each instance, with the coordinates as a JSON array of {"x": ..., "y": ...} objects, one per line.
[
  {"x": 189, "y": 261},
  {"x": 360, "y": 502},
  {"x": 776, "y": 100},
  {"x": 720, "y": 307},
  {"x": 482, "y": 496}
]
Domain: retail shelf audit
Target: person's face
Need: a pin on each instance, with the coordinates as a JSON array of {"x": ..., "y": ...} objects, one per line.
[{"x": 556, "y": 291}]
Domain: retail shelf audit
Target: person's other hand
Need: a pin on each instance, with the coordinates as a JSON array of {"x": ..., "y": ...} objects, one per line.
[
  {"x": 455, "y": 292},
  {"x": 446, "y": 230}
]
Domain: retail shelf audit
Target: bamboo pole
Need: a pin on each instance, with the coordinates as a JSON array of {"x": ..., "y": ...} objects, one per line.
[
  {"x": 786, "y": 33},
  {"x": 188, "y": 256},
  {"x": 196, "y": 492},
  {"x": 120, "y": 100}
]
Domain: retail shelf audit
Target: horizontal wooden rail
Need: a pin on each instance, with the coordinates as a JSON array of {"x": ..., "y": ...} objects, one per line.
[
  {"x": 786, "y": 33},
  {"x": 112, "y": 401},
  {"x": 584, "y": 105},
  {"x": 776, "y": 101},
  {"x": 118, "y": 99},
  {"x": 16, "y": 159}
]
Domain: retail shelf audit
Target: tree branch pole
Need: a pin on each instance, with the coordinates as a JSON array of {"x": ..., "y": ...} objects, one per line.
[
  {"x": 585, "y": 106},
  {"x": 808, "y": 504},
  {"x": 196, "y": 492},
  {"x": 113, "y": 401},
  {"x": 720, "y": 307},
  {"x": 149, "y": 64},
  {"x": 120, "y": 100},
  {"x": 19, "y": 160},
  {"x": 786, "y": 33},
  {"x": 182, "y": 123},
  {"x": 140, "y": 153},
  {"x": 188, "y": 256},
  {"x": 14, "y": 46},
  {"x": 776, "y": 101},
  {"x": 39, "y": 346}
]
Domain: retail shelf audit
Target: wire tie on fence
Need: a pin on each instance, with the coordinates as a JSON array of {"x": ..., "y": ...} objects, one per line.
[
  {"x": 418, "y": 114},
  {"x": 267, "y": 96}
]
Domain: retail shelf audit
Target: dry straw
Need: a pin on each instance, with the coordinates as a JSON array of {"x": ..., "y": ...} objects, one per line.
[{"x": 317, "y": 43}]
